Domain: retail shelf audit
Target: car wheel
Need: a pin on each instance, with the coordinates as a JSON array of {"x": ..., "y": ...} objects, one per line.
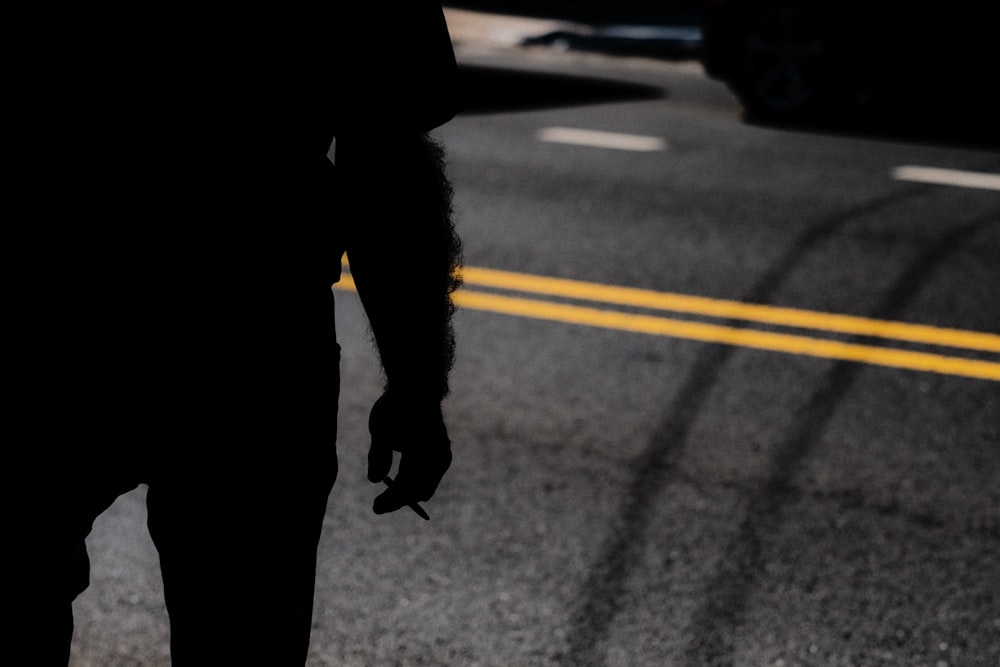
[{"x": 785, "y": 67}]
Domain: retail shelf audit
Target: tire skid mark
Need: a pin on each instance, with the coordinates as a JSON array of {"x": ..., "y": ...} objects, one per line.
[
  {"x": 715, "y": 622},
  {"x": 602, "y": 594}
]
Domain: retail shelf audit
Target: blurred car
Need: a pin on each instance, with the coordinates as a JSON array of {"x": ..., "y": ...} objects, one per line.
[{"x": 793, "y": 60}]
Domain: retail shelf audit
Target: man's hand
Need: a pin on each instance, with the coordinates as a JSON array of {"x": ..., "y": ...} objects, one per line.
[{"x": 415, "y": 429}]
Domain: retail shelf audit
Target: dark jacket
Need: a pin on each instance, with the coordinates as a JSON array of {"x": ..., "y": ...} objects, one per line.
[{"x": 170, "y": 182}]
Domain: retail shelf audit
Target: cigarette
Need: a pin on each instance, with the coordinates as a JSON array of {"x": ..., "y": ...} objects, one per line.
[{"x": 413, "y": 506}]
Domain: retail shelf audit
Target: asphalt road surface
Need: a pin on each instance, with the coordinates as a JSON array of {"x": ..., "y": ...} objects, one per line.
[{"x": 725, "y": 395}]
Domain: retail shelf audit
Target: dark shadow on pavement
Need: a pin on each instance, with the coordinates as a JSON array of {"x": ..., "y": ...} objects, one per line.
[
  {"x": 968, "y": 127},
  {"x": 495, "y": 90}
]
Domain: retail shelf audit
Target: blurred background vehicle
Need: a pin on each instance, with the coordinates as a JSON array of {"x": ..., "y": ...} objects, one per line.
[
  {"x": 594, "y": 12},
  {"x": 662, "y": 29},
  {"x": 792, "y": 60}
]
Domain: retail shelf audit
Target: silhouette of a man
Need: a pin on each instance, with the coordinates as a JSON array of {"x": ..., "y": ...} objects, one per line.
[{"x": 173, "y": 229}]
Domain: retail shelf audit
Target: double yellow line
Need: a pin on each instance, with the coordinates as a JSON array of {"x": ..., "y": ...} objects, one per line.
[{"x": 615, "y": 296}]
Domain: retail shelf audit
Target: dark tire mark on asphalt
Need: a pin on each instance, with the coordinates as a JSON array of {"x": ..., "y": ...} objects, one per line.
[
  {"x": 715, "y": 622},
  {"x": 488, "y": 90},
  {"x": 602, "y": 593}
]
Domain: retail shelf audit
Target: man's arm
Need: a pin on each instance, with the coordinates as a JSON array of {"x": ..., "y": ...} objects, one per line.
[{"x": 404, "y": 255}]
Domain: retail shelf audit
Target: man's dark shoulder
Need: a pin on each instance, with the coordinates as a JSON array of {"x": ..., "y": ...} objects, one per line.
[{"x": 396, "y": 66}]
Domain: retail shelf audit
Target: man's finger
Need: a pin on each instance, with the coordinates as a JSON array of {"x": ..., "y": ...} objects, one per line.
[
  {"x": 380, "y": 452},
  {"x": 389, "y": 500},
  {"x": 379, "y": 461},
  {"x": 417, "y": 509},
  {"x": 419, "y": 475}
]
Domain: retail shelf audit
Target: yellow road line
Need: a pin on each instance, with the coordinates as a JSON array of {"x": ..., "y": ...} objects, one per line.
[
  {"x": 698, "y": 305},
  {"x": 715, "y": 333}
]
